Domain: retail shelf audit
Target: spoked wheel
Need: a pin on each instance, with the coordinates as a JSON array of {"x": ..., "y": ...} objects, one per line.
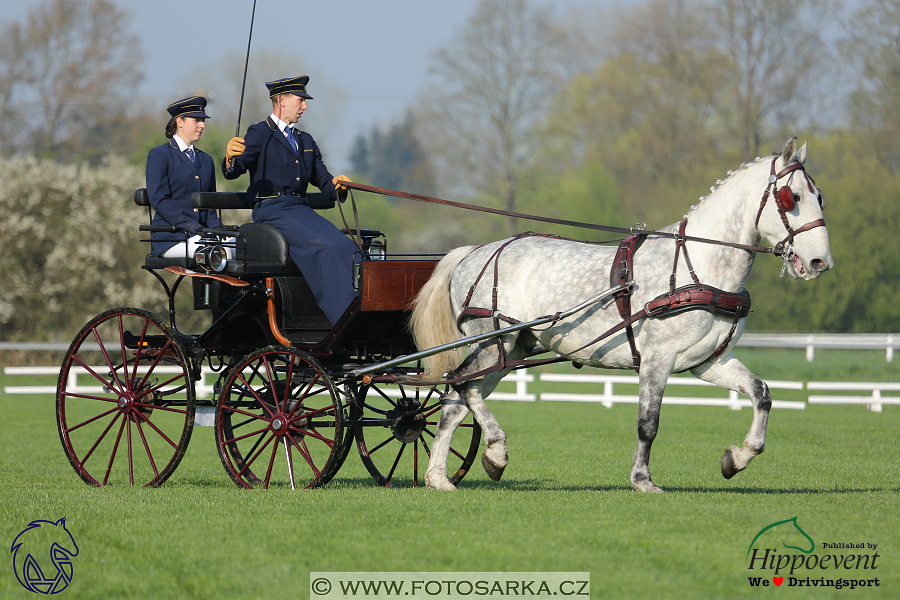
[
  {"x": 394, "y": 427},
  {"x": 279, "y": 421},
  {"x": 347, "y": 392},
  {"x": 125, "y": 400}
]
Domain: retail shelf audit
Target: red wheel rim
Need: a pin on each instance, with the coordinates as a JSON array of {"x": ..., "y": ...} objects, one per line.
[
  {"x": 125, "y": 400},
  {"x": 279, "y": 422},
  {"x": 394, "y": 427}
]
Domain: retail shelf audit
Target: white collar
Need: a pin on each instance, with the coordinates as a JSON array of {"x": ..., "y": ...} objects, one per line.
[
  {"x": 281, "y": 124},
  {"x": 181, "y": 145}
]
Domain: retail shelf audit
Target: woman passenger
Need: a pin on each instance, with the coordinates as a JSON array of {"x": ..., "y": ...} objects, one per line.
[{"x": 176, "y": 170}]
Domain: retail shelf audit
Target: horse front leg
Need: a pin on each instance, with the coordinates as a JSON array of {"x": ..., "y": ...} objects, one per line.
[
  {"x": 729, "y": 373},
  {"x": 653, "y": 378}
]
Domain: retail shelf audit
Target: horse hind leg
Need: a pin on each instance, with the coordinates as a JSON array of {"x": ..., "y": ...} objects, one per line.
[
  {"x": 469, "y": 396},
  {"x": 728, "y": 372},
  {"x": 495, "y": 457},
  {"x": 453, "y": 411}
]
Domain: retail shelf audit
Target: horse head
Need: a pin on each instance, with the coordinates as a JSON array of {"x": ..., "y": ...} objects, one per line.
[{"x": 790, "y": 214}]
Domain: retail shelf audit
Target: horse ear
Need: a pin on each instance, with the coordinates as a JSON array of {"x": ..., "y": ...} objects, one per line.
[
  {"x": 800, "y": 155},
  {"x": 789, "y": 148}
]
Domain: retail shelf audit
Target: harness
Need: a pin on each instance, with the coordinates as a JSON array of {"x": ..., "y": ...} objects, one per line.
[
  {"x": 689, "y": 297},
  {"x": 694, "y": 296}
]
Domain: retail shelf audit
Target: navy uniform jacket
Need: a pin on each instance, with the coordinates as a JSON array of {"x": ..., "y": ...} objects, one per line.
[
  {"x": 171, "y": 179},
  {"x": 277, "y": 193}
]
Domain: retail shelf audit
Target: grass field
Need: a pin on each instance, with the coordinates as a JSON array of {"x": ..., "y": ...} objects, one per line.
[{"x": 565, "y": 504}]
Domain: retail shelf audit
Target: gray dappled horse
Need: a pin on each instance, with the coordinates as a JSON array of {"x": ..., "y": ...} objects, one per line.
[{"x": 538, "y": 276}]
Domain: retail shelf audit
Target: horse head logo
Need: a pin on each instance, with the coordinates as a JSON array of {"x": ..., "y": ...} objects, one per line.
[
  {"x": 784, "y": 533},
  {"x": 42, "y": 556}
]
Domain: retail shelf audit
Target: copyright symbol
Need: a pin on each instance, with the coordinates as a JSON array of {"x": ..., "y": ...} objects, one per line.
[{"x": 321, "y": 586}]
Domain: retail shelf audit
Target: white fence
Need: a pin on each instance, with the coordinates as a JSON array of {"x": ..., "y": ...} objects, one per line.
[
  {"x": 887, "y": 342},
  {"x": 824, "y": 341},
  {"x": 608, "y": 397},
  {"x": 522, "y": 378},
  {"x": 874, "y": 401}
]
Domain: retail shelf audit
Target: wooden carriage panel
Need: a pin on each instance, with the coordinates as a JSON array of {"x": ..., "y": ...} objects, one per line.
[{"x": 392, "y": 284}]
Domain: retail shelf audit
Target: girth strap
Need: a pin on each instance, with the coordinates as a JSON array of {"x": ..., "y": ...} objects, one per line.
[{"x": 622, "y": 270}]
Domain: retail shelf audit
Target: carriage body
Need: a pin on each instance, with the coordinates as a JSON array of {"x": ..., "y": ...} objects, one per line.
[{"x": 127, "y": 400}]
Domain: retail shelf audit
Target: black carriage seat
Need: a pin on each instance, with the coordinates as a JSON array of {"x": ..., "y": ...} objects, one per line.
[
  {"x": 261, "y": 248},
  {"x": 153, "y": 261}
]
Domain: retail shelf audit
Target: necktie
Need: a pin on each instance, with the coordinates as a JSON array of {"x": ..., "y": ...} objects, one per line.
[
  {"x": 190, "y": 153},
  {"x": 290, "y": 136}
]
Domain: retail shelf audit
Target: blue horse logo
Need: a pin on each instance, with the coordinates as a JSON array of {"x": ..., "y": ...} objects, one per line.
[{"x": 41, "y": 547}]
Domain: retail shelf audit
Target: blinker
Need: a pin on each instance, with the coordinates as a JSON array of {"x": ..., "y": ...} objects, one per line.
[{"x": 785, "y": 198}]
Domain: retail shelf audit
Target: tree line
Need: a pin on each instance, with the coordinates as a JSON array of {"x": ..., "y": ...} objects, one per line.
[{"x": 610, "y": 116}]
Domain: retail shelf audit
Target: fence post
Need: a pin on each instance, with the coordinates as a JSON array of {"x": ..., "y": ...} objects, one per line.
[
  {"x": 607, "y": 393},
  {"x": 875, "y": 406}
]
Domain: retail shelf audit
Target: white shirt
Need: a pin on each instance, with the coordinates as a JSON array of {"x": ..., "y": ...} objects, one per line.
[
  {"x": 181, "y": 145},
  {"x": 281, "y": 124}
]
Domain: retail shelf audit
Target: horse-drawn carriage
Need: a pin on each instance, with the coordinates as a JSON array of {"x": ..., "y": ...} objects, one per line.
[
  {"x": 284, "y": 411},
  {"x": 294, "y": 392}
]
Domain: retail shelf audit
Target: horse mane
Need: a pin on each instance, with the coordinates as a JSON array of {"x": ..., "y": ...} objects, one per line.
[{"x": 720, "y": 182}]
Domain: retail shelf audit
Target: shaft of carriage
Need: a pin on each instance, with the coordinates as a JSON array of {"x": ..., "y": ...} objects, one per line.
[{"x": 363, "y": 371}]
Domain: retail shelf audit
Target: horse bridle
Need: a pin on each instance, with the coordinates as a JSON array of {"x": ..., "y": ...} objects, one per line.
[{"x": 785, "y": 200}]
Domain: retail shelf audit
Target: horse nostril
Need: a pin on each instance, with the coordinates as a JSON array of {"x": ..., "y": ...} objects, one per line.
[{"x": 818, "y": 264}]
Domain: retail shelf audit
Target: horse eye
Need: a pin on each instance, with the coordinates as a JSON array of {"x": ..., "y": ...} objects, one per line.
[{"x": 821, "y": 197}]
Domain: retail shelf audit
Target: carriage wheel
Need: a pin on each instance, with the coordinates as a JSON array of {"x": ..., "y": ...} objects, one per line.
[
  {"x": 347, "y": 392},
  {"x": 125, "y": 400},
  {"x": 394, "y": 429},
  {"x": 279, "y": 421}
]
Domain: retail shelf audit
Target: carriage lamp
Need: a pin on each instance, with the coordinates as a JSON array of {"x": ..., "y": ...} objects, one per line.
[
  {"x": 376, "y": 250},
  {"x": 211, "y": 258}
]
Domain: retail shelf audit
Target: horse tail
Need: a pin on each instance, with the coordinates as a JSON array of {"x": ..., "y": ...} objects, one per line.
[{"x": 432, "y": 322}]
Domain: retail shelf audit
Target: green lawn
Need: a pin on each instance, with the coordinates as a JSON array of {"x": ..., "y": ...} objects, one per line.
[{"x": 564, "y": 504}]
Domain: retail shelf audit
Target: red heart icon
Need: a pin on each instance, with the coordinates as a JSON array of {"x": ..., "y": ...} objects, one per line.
[{"x": 778, "y": 580}]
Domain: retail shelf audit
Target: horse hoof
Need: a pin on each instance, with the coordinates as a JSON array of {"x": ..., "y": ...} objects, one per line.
[
  {"x": 729, "y": 470},
  {"x": 436, "y": 482},
  {"x": 495, "y": 472},
  {"x": 646, "y": 486}
]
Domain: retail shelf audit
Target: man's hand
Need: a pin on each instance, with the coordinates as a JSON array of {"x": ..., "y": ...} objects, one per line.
[
  {"x": 338, "y": 185},
  {"x": 234, "y": 148}
]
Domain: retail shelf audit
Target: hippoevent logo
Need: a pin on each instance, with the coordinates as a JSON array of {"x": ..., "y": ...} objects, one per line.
[
  {"x": 42, "y": 556},
  {"x": 782, "y": 553}
]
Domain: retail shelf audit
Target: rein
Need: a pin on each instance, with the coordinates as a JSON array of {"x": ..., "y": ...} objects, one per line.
[{"x": 506, "y": 213}]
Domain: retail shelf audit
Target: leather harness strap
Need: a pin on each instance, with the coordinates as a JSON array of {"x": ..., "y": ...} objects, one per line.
[
  {"x": 622, "y": 267},
  {"x": 784, "y": 246},
  {"x": 691, "y": 297}
]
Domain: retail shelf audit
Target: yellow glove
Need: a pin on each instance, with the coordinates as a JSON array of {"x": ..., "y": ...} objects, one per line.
[
  {"x": 234, "y": 148},
  {"x": 337, "y": 183}
]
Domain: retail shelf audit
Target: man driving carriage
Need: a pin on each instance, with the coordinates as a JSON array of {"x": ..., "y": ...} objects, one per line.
[{"x": 283, "y": 161}]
